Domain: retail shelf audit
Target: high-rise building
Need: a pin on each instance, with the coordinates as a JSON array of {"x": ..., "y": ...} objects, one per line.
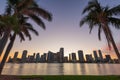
[
  {"x": 15, "y": 57},
  {"x": 61, "y": 55},
  {"x": 66, "y": 59},
  {"x": 44, "y": 57},
  {"x": 100, "y": 55},
  {"x": 24, "y": 55},
  {"x": 55, "y": 57},
  {"x": 70, "y": 58},
  {"x": 74, "y": 57},
  {"x": 50, "y": 56},
  {"x": 108, "y": 58},
  {"x": 38, "y": 57},
  {"x": 95, "y": 56},
  {"x": 81, "y": 56},
  {"x": 89, "y": 58}
]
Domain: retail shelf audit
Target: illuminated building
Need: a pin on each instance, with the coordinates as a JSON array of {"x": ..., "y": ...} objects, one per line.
[
  {"x": 81, "y": 56},
  {"x": 95, "y": 56},
  {"x": 73, "y": 57},
  {"x": 24, "y": 55}
]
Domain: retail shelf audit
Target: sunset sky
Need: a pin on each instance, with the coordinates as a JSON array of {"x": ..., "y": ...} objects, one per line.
[{"x": 64, "y": 30}]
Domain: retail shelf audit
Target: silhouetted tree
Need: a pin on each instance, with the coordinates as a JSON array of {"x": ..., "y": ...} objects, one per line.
[
  {"x": 102, "y": 17},
  {"x": 19, "y": 11}
]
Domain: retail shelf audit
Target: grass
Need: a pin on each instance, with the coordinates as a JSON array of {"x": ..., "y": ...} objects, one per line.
[{"x": 71, "y": 77}]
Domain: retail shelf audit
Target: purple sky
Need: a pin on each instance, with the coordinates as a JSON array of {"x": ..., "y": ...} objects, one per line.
[{"x": 64, "y": 30}]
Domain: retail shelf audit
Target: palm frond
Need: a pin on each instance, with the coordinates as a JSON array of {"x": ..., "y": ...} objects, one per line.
[
  {"x": 26, "y": 32},
  {"x": 24, "y": 4},
  {"x": 33, "y": 30},
  {"x": 37, "y": 20},
  {"x": 115, "y": 22},
  {"x": 115, "y": 10},
  {"x": 21, "y": 36},
  {"x": 30, "y": 27},
  {"x": 41, "y": 12},
  {"x": 91, "y": 26},
  {"x": 93, "y": 4},
  {"x": 99, "y": 32}
]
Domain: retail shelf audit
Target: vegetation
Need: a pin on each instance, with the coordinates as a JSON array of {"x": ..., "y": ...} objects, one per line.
[
  {"x": 102, "y": 17},
  {"x": 71, "y": 77},
  {"x": 15, "y": 22}
]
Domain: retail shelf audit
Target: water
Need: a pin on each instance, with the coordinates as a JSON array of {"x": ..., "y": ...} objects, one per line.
[{"x": 61, "y": 69}]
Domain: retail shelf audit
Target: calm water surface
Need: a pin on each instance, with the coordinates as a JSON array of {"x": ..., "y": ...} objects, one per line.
[{"x": 61, "y": 69}]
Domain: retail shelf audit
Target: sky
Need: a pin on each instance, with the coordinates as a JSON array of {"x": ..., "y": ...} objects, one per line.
[{"x": 64, "y": 30}]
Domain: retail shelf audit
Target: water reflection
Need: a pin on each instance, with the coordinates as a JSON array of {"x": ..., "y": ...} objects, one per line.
[
  {"x": 61, "y": 69},
  {"x": 20, "y": 67},
  {"x": 82, "y": 69}
]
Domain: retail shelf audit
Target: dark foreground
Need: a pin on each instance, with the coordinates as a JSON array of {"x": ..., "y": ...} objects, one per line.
[{"x": 59, "y": 77}]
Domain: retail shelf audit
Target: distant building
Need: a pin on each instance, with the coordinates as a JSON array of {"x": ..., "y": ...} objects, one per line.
[
  {"x": 15, "y": 57},
  {"x": 10, "y": 60},
  {"x": 31, "y": 58},
  {"x": 24, "y": 55},
  {"x": 61, "y": 55},
  {"x": 108, "y": 58},
  {"x": 74, "y": 57},
  {"x": 38, "y": 57},
  {"x": 89, "y": 58},
  {"x": 50, "y": 57},
  {"x": 44, "y": 57},
  {"x": 81, "y": 56},
  {"x": 100, "y": 55},
  {"x": 70, "y": 58},
  {"x": 66, "y": 59},
  {"x": 55, "y": 57},
  {"x": 95, "y": 56}
]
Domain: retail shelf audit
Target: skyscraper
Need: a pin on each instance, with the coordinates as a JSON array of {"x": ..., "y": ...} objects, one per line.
[
  {"x": 95, "y": 56},
  {"x": 100, "y": 55},
  {"x": 89, "y": 58},
  {"x": 108, "y": 58},
  {"x": 66, "y": 59},
  {"x": 38, "y": 57},
  {"x": 50, "y": 56},
  {"x": 70, "y": 58},
  {"x": 61, "y": 55},
  {"x": 15, "y": 57},
  {"x": 74, "y": 57},
  {"x": 44, "y": 57},
  {"x": 24, "y": 54},
  {"x": 81, "y": 56}
]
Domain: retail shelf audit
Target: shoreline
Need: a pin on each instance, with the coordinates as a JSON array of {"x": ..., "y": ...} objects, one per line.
[{"x": 59, "y": 77}]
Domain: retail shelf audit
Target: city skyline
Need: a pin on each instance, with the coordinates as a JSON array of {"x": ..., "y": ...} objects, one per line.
[
  {"x": 58, "y": 57},
  {"x": 64, "y": 30},
  {"x": 78, "y": 55}
]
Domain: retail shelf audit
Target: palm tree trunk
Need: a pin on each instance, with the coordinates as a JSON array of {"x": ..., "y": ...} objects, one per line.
[
  {"x": 3, "y": 42},
  {"x": 9, "y": 47},
  {"x": 113, "y": 43}
]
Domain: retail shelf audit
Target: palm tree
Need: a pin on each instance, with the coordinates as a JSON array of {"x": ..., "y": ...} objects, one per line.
[
  {"x": 23, "y": 8},
  {"x": 102, "y": 17},
  {"x": 20, "y": 29},
  {"x": 21, "y": 11}
]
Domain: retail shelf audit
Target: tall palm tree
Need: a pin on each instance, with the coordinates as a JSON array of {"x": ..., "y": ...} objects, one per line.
[
  {"x": 102, "y": 17},
  {"x": 21, "y": 28},
  {"x": 22, "y": 10}
]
